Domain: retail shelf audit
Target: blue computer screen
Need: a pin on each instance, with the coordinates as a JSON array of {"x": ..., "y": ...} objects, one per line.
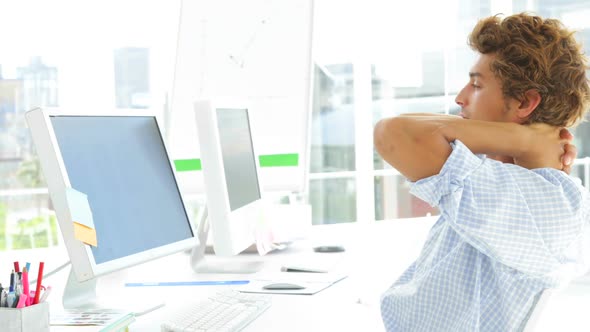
[{"x": 121, "y": 163}]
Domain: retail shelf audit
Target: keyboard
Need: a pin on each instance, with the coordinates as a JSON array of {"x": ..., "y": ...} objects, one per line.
[{"x": 227, "y": 310}]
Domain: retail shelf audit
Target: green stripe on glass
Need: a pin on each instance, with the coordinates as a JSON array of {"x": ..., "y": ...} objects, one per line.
[
  {"x": 270, "y": 160},
  {"x": 279, "y": 160},
  {"x": 183, "y": 165}
]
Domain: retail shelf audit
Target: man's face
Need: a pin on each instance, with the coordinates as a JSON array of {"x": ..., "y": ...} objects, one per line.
[{"x": 481, "y": 98}]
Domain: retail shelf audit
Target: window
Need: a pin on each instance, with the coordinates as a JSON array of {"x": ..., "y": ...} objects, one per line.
[
  {"x": 397, "y": 58},
  {"x": 101, "y": 55}
]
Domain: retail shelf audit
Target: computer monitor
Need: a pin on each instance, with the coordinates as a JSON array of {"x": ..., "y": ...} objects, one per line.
[
  {"x": 121, "y": 163},
  {"x": 230, "y": 170}
]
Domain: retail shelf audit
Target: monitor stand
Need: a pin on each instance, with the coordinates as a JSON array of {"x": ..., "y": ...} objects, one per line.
[
  {"x": 215, "y": 264},
  {"x": 79, "y": 294},
  {"x": 82, "y": 295}
]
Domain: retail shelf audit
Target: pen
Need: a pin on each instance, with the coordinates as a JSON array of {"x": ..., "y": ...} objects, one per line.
[
  {"x": 38, "y": 288},
  {"x": 3, "y": 295},
  {"x": 28, "y": 266},
  {"x": 18, "y": 283},
  {"x": 10, "y": 297},
  {"x": 188, "y": 283},
  {"x": 22, "y": 300},
  {"x": 11, "y": 288},
  {"x": 26, "y": 286},
  {"x": 16, "y": 267},
  {"x": 302, "y": 269}
]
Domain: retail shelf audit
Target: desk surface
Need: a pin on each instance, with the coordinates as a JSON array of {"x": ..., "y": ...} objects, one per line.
[{"x": 376, "y": 254}]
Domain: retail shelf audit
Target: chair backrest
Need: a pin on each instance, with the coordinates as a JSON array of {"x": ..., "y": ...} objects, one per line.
[{"x": 533, "y": 321}]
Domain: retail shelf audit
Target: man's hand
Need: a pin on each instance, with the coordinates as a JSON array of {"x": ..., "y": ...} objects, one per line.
[
  {"x": 547, "y": 148},
  {"x": 571, "y": 152}
]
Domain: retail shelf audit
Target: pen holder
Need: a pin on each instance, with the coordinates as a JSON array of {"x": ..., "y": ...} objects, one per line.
[{"x": 31, "y": 318}]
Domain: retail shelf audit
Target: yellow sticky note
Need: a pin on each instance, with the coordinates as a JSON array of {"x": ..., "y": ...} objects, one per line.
[{"x": 85, "y": 234}]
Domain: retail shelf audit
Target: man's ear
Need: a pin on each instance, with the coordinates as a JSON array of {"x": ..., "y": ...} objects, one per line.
[{"x": 531, "y": 100}]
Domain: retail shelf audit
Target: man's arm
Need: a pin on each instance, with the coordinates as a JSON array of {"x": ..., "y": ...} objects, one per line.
[{"x": 418, "y": 144}]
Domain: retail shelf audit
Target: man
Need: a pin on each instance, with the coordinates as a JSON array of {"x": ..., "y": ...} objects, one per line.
[{"x": 511, "y": 221}]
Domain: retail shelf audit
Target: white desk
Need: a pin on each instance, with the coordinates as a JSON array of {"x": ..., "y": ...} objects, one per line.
[{"x": 375, "y": 256}]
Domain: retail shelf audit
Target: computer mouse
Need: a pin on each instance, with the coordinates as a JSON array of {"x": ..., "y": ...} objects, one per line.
[{"x": 283, "y": 286}]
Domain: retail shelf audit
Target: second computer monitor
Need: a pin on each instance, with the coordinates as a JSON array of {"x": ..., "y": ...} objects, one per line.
[{"x": 230, "y": 172}]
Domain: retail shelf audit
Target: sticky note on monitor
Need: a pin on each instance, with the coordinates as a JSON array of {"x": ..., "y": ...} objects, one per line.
[{"x": 81, "y": 216}]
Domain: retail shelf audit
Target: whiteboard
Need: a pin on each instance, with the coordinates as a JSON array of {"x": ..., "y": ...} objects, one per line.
[{"x": 255, "y": 50}]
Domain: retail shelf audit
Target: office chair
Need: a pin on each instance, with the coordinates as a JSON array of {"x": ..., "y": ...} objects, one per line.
[{"x": 533, "y": 322}]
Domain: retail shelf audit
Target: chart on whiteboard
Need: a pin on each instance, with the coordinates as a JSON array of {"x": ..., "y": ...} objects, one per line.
[{"x": 257, "y": 51}]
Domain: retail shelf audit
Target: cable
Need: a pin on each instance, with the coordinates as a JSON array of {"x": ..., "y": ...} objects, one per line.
[{"x": 148, "y": 310}]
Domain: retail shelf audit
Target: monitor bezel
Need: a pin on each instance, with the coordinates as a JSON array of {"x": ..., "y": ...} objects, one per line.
[
  {"x": 233, "y": 231},
  {"x": 56, "y": 175}
]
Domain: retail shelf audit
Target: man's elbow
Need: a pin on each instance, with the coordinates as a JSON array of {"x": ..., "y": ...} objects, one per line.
[
  {"x": 384, "y": 136},
  {"x": 415, "y": 147}
]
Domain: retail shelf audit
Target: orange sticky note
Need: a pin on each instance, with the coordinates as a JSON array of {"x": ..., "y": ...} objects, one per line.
[
  {"x": 81, "y": 216},
  {"x": 85, "y": 234}
]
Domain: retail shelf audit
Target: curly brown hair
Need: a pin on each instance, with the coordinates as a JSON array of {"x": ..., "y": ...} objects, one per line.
[{"x": 540, "y": 54}]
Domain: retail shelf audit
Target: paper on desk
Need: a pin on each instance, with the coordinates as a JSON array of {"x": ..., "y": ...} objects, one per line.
[
  {"x": 92, "y": 317},
  {"x": 280, "y": 224},
  {"x": 81, "y": 216},
  {"x": 313, "y": 282}
]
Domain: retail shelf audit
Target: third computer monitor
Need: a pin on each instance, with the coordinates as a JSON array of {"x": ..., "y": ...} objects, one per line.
[{"x": 230, "y": 172}]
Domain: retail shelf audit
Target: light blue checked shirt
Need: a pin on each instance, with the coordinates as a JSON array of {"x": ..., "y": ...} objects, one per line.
[{"x": 505, "y": 233}]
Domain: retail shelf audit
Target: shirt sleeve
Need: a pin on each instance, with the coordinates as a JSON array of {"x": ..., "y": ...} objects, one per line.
[{"x": 525, "y": 219}]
